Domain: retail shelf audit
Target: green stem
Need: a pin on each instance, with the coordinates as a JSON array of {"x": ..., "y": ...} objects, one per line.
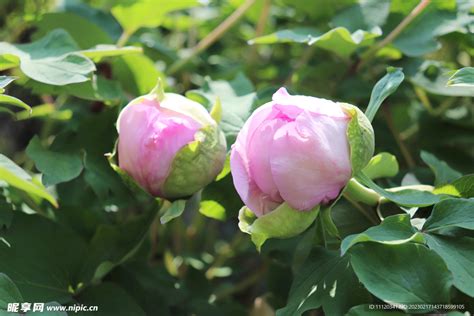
[
  {"x": 395, "y": 32},
  {"x": 359, "y": 193},
  {"x": 123, "y": 39}
]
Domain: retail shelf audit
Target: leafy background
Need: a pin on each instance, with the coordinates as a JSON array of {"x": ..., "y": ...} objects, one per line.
[{"x": 71, "y": 231}]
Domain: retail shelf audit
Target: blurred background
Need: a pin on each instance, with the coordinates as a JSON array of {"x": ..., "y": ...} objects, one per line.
[{"x": 241, "y": 51}]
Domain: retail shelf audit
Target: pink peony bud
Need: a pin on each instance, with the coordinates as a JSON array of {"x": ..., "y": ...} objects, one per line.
[
  {"x": 169, "y": 145},
  {"x": 294, "y": 149}
]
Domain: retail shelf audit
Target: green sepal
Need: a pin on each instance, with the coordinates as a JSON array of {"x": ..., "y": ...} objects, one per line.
[
  {"x": 197, "y": 164},
  {"x": 126, "y": 178},
  {"x": 282, "y": 222},
  {"x": 361, "y": 138},
  {"x": 158, "y": 90},
  {"x": 216, "y": 111}
]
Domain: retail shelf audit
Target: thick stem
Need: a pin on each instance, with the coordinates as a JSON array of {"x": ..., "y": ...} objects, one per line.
[
  {"x": 123, "y": 39},
  {"x": 395, "y": 32},
  {"x": 359, "y": 193},
  {"x": 212, "y": 37}
]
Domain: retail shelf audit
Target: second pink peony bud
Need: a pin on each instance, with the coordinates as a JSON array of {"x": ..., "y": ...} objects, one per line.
[{"x": 294, "y": 149}]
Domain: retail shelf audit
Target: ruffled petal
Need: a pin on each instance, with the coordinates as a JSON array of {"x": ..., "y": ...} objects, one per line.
[
  {"x": 310, "y": 160},
  {"x": 257, "y": 201},
  {"x": 293, "y": 105}
]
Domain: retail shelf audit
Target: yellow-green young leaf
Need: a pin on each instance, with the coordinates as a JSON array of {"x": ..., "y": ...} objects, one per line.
[
  {"x": 147, "y": 13},
  {"x": 7, "y": 99},
  {"x": 137, "y": 73},
  {"x": 381, "y": 165},
  {"x": 212, "y": 209},
  {"x": 282, "y": 222},
  {"x": 225, "y": 170},
  {"x": 101, "y": 51},
  {"x": 18, "y": 178},
  {"x": 216, "y": 111},
  {"x": 47, "y": 110},
  {"x": 462, "y": 187}
]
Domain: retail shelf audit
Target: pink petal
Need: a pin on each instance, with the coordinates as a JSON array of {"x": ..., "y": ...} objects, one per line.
[
  {"x": 258, "y": 151},
  {"x": 258, "y": 202},
  {"x": 310, "y": 160},
  {"x": 293, "y": 105},
  {"x": 149, "y": 139}
]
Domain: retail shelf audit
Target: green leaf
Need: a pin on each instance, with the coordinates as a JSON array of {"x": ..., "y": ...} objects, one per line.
[
  {"x": 419, "y": 37},
  {"x": 48, "y": 111},
  {"x": 111, "y": 299},
  {"x": 238, "y": 99},
  {"x": 381, "y": 165},
  {"x": 97, "y": 88},
  {"x": 394, "y": 230},
  {"x": 174, "y": 210},
  {"x": 463, "y": 77},
  {"x": 328, "y": 224},
  {"x": 225, "y": 170},
  {"x": 433, "y": 76},
  {"x": 364, "y": 15},
  {"x": 282, "y": 222},
  {"x": 9, "y": 292},
  {"x": 147, "y": 13},
  {"x": 6, "y": 99},
  {"x": 462, "y": 187},
  {"x": 382, "y": 89},
  {"x": 338, "y": 40},
  {"x": 76, "y": 25},
  {"x": 369, "y": 310},
  {"x": 403, "y": 274},
  {"x": 137, "y": 73},
  {"x": 212, "y": 209},
  {"x": 296, "y": 35},
  {"x": 458, "y": 255},
  {"x": 443, "y": 173},
  {"x": 18, "y": 178},
  {"x": 361, "y": 138},
  {"x": 52, "y": 59},
  {"x": 5, "y": 81},
  {"x": 451, "y": 213},
  {"x": 111, "y": 245},
  {"x": 404, "y": 197},
  {"x": 56, "y": 166},
  {"x": 327, "y": 280},
  {"x": 34, "y": 265},
  {"x": 101, "y": 51}
]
